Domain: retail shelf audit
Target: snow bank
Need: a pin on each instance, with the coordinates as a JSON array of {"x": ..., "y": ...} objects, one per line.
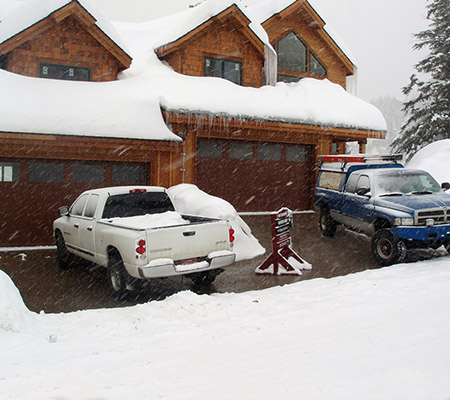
[
  {"x": 189, "y": 199},
  {"x": 435, "y": 159},
  {"x": 378, "y": 334},
  {"x": 14, "y": 315}
]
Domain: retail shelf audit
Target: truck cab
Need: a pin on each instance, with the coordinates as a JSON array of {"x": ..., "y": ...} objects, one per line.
[{"x": 399, "y": 208}]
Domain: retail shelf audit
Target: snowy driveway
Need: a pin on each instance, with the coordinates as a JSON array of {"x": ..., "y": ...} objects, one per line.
[{"x": 44, "y": 287}]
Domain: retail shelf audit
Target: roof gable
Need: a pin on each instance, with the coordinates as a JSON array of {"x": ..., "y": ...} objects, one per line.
[
  {"x": 313, "y": 19},
  {"x": 21, "y": 26},
  {"x": 233, "y": 12}
]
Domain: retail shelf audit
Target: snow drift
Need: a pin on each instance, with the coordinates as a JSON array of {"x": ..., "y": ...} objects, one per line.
[
  {"x": 435, "y": 159},
  {"x": 189, "y": 199}
]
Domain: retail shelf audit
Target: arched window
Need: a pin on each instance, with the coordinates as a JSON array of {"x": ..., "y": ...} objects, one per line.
[{"x": 295, "y": 60}]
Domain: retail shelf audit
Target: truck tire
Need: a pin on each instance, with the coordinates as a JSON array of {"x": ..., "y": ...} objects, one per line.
[
  {"x": 65, "y": 259},
  {"x": 326, "y": 223},
  {"x": 387, "y": 249},
  {"x": 120, "y": 282}
]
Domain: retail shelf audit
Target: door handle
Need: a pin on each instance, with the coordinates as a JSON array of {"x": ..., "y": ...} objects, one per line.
[
  {"x": 76, "y": 226},
  {"x": 189, "y": 233},
  {"x": 89, "y": 228}
]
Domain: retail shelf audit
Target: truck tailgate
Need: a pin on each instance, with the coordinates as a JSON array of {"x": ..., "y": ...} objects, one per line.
[{"x": 187, "y": 242}]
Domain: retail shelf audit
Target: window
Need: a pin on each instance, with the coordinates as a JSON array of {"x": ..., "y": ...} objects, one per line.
[
  {"x": 132, "y": 204},
  {"x": 241, "y": 151},
  {"x": 9, "y": 172},
  {"x": 227, "y": 69},
  {"x": 294, "y": 55},
  {"x": 64, "y": 72},
  {"x": 269, "y": 152},
  {"x": 296, "y": 153},
  {"x": 91, "y": 206},
  {"x": 288, "y": 78},
  {"x": 78, "y": 207},
  {"x": 363, "y": 183},
  {"x": 330, "y": 180},
  {"x": 209, "y": 149},
  {"x": 315, "y": 66},
  {"x": 84, "y": 173},
  {"x": 129, "y": 174},
  {"x": 46, "y": 172}
]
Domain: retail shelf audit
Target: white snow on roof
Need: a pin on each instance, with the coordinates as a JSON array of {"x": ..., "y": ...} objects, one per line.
[
  {"x": 21, "y": 14},
  {"x": 108, "y": 109},
  {"x": 183, "y": 22},
  {"x": 266, "y": 9},
  {"x": 131, "y": 107},
  {"x": 310, "y": 101}
]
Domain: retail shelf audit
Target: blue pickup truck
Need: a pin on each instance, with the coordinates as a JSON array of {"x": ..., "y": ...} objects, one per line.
[{"x": 399, "y": 208}]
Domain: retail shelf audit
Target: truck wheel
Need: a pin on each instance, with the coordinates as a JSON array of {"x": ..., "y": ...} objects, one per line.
[
  {"x": 65, "y": 259},
  {"x": 203, "y": 278},
  {"x": 326, "y": 223},
  {"x": 120, "y": 282},
  {"x": 386, "y": 248}
]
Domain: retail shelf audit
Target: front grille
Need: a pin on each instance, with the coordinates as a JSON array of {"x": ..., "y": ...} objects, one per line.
[{"x": 438, "y": 215}]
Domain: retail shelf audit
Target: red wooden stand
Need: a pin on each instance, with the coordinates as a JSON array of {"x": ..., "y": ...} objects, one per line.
[{"x": 283, "y": 260}]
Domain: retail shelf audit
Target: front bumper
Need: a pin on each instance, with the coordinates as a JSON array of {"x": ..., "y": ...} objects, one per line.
[
  {"x": 423, "y": 233},
  {"x": 165, "y": 267}
]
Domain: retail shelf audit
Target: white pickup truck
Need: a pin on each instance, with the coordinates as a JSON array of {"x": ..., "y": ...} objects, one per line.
[{"x": 136, "y": 234}]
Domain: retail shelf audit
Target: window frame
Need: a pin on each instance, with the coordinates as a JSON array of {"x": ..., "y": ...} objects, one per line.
[
  {"x": 66, "y": 74},
  {"x": 222, "y": 67},
  {"x": 15, "y": 171},
  {"x": 291, "y": 75}
]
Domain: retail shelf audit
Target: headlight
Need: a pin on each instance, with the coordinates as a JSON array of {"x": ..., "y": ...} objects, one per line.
[{"x": 404, "y": 221}]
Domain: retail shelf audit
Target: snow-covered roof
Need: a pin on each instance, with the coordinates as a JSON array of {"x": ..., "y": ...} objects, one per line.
[
  {"x": 108, "y": 109},
  {"x": 131, "y": 107},
  {"x": 18, "y": 15}
]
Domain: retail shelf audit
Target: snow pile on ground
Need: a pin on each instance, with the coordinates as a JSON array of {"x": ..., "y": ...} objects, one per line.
[
  {"x": 14, "y": 315},
  {"x": 189, "y": 199},
  {"x": 169, "y": 218},
  {"x": 435, "y": 159},
  {"x": 378, "y": 334}
]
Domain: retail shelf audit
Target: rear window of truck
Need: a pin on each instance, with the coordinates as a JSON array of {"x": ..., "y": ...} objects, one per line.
[
  {"x": 330, "y": 180},
  {"x": 132, "y": 204}
]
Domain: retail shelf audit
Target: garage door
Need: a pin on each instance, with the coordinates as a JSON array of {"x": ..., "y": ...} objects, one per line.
[
  {"x": 33, "y": 190},
  {"x": 256, "y": 176}
]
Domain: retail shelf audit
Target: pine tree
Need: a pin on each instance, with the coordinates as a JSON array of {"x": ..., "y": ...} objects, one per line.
[{"x": 428, "y": 108}]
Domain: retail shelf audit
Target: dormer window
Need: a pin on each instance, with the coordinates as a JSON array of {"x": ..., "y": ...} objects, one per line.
[
  {"x": 295, "y": 60},
  {"x": 64, "y": 72},
  {"x": 221, "y": 68}
]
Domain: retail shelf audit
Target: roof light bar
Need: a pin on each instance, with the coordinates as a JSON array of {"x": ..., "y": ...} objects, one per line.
[{"x": 344, "y": 158}]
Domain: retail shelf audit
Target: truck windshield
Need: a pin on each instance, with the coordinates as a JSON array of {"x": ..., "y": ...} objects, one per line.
[
  {"x": 405, "y": 183},
  {"x": 132, "y": 204}
]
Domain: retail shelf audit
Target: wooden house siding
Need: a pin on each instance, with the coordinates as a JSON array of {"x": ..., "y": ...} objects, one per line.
[
  {"x": 65, "y": 43},
  {"x": 224, "y": 39},
  {"x": 301, "y": 19}
]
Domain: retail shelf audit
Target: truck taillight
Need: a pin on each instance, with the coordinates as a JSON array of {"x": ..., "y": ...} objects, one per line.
[
  {"x": 140, "y": 247},
  {"x": 231, "y": 235},
  {"x": 138, "y": 190}
]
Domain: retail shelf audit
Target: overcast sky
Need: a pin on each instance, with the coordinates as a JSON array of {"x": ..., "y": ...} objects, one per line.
[{"x": 377, "y": 32}]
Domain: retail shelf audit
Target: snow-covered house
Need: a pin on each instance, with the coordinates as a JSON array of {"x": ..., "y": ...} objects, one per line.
[{"x": 191, "y": 97}]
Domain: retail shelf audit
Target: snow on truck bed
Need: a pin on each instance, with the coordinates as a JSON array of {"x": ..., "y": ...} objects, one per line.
[{"x": 149, "y": 221}]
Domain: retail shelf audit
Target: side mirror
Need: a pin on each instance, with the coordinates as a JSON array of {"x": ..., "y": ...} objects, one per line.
[
  {"x": 445, "y": 186},
  {"x": 63, "y": 211},
  {"x": 362, "y": 191}
]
